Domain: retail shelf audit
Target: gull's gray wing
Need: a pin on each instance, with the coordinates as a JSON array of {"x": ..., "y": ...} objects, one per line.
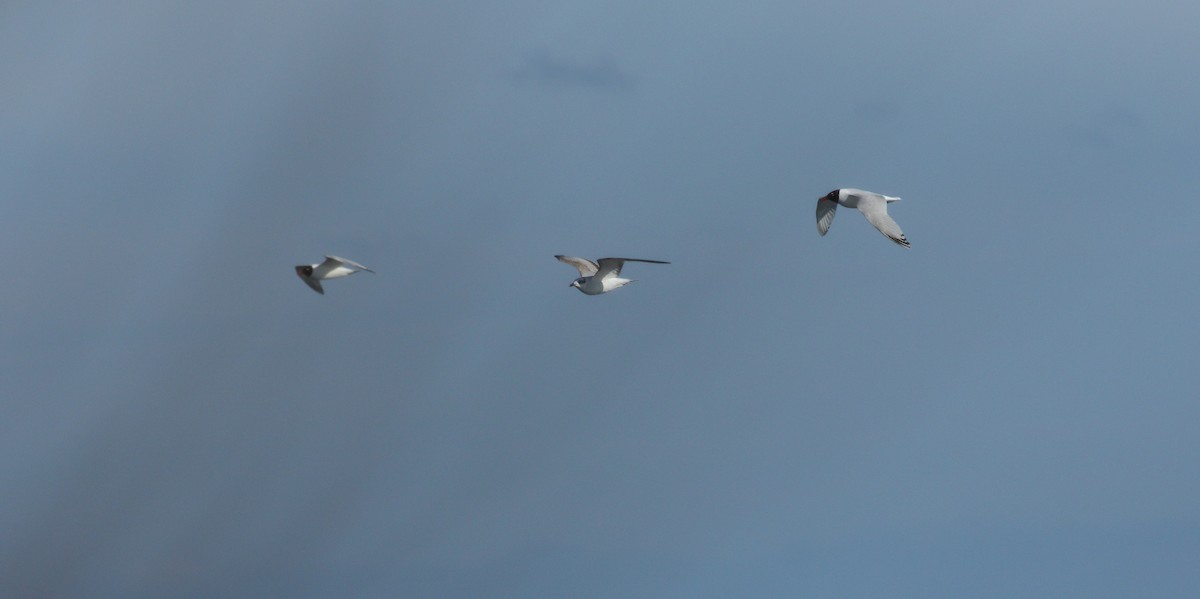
[
  {"x": 875, "y": 209},
  {"x": 826, "y": 210},
  {"x": 311, "y": 282},
  {"x": 334, "y": 267},
  {"x": 344, "y": 261},
  {"x": 586, "y": 267},
  {"x": 611, "y": 267}
]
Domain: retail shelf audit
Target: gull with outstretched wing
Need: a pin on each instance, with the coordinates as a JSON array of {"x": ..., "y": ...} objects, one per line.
[
  {"x": 602, "y": 276},
  {"x": 331, "y": 268},
  {"x": 872, "y": 205}
]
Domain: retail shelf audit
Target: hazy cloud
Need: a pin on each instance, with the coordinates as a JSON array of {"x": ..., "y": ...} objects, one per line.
[
  {"x": 1006, "y": 410},
  {"x": 541, "y": 67},
  {"x": 1106, "y": 127}
]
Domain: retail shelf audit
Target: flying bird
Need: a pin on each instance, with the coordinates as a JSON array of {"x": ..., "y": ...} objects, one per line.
[
  {"x": 332, "y": 268},
  {"x": 596, "y": 278},
  {"x": 871, "y": 204}
]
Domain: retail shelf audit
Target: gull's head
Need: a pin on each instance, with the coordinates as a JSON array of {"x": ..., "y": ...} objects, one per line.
[
  {"x": 578, "y": 283},
  {"x": 304, "y": 271},
  {"x": 833, "y": 195}
]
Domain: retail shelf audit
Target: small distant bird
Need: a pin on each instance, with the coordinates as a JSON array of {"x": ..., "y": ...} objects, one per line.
[
  {"x": 871, "y": 204},
  {"x": 332, "y": 268},
  {"x": 595, "y": 279}
]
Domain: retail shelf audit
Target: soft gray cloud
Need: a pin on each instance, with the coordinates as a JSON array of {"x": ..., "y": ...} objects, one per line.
[
  {"x": 541, "y": 67},
  {"x": 1113, "y": 125},
  {"x": 775, "y": 413}
]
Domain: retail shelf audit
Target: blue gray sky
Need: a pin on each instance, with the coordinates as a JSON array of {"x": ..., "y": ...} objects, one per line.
[{"x": 1009, "y": 409}]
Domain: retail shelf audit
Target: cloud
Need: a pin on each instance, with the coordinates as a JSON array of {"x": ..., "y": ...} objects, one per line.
[
  {"x": 540, "y": 67},
  {"x": 877, "y": 112},
  {"x": 1105, "y": 128}
]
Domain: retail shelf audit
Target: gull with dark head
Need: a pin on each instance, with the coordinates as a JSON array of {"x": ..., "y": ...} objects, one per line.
[
  {"x": 596, "y": 278},
  {"x": 871, "y": 204},
  {"x": 332, "y": 268}
]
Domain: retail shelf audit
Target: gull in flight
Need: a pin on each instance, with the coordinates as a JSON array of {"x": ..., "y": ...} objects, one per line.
[
  {"x": 871, "y": 204},
  {"x": 332, "y": 268},
  {"x": 603, "y": 277}
]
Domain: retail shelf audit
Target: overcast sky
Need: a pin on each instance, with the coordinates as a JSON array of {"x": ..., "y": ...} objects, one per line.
[{"x": 1008, "y": 409}]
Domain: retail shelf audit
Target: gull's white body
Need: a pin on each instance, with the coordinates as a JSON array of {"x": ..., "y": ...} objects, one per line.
[
  {"x": 596, "y": 286},
  {"x": 596, "y": 278},
  {"x": 872, "y": 205},
  {"x": 331, "y": 268}
]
